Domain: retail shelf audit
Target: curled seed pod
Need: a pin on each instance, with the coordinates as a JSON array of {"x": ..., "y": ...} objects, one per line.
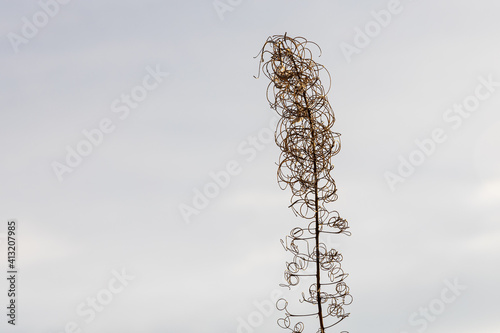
[{"x": 304, "y": 135}]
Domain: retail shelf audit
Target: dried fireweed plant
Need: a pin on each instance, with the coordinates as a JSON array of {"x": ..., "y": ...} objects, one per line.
[{"x": 307, "y": 142}]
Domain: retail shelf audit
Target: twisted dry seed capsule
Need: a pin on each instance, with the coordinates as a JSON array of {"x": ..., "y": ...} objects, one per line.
[{"x": 307, "y": 145}]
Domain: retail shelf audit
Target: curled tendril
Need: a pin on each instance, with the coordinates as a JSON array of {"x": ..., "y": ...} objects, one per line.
[{"x": 304, "y": 135}]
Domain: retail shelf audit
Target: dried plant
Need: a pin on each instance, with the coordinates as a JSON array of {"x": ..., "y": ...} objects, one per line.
[{"x": 304, "y": 134}]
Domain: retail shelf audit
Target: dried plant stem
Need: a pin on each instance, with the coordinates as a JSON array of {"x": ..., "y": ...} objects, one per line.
[
  {"x": 307, "y": 143},
  {"x": 316, "y": 218}
]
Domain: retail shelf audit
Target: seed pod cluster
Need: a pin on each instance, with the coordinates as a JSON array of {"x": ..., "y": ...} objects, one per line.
[{"x": 304, "y": 135}]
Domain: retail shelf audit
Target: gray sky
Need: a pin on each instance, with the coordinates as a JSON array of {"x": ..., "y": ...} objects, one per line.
[{"x": 97, "y": 179}]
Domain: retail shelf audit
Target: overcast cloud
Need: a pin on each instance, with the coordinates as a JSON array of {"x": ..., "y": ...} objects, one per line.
[{"x": 97, "y": 179}]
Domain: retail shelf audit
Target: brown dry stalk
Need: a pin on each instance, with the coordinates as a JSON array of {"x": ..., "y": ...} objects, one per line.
[{"x": 307, "y": 142}]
